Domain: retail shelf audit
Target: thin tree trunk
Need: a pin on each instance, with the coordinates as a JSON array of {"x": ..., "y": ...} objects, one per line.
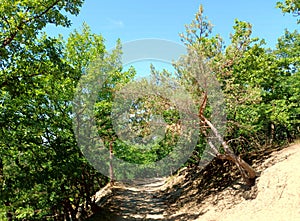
[
  {"x": 111, "y": 170},
  {"x": 248, "y": 173},
  {"x": 272, "y": 133}
]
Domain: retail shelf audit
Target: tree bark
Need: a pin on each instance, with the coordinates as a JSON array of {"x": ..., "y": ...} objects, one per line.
[
  {"x": 248, "y": 173},
  {"x": 111, "y": 169}
]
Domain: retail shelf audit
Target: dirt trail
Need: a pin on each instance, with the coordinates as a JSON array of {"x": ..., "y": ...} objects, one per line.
[
  {"x": 276, "y": 196},
  {"x": 136, "y": 200}
]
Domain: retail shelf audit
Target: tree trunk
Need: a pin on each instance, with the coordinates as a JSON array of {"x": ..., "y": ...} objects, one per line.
[
  {"x": 248, "y": 173},
  {"x": 272, "y": 133},
  {"x": 111, "y": 170}
]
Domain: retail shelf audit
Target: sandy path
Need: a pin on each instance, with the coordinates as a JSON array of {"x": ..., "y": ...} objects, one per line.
[
  {"x": 134, "y": 201},
  {"x": 277, "y": 197}
]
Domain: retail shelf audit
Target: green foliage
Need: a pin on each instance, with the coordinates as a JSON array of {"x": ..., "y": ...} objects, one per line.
[
  {"x": 140, "y": 147},
  {"x": 290, "y": 6},
  {"x": 288, "y": 57},
  {"x": 260, "y": 85},
  {"x": 43, "y": 173},
  {"x": 42, "y": 170},
  {"x": 22, "y": 21}
]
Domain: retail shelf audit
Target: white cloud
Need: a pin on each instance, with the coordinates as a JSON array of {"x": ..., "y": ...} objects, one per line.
[{"x": 115, "y": 23}]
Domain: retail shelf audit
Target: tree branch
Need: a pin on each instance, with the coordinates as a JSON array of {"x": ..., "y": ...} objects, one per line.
[{"x": 10, "y": 38}]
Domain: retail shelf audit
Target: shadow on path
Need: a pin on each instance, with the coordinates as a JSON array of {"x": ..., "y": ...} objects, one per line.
[{"x": 136, "y": 200}]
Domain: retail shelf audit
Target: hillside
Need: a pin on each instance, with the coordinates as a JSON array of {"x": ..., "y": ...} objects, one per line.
[
  {"x": 276, "y": 195},
  {"x": 207, "y": 195}
]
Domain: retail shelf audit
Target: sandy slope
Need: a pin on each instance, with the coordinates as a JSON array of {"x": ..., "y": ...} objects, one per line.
[{"x": 278, "y": 193}]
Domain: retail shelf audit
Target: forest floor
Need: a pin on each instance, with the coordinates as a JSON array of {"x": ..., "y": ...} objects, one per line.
[{"x": 216, "y": 193}]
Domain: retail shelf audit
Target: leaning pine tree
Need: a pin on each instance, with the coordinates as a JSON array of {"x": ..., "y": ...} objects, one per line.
[{"x": 199, "y": 80}]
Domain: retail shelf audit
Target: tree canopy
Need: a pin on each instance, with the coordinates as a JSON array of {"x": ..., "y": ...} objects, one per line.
[
  {"x": 44, "y": 174},
  {"x": 290, "y": 6}
]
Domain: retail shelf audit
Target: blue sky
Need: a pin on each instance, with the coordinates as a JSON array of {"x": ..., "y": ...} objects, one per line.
[{"x": 137, "y": 19}]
